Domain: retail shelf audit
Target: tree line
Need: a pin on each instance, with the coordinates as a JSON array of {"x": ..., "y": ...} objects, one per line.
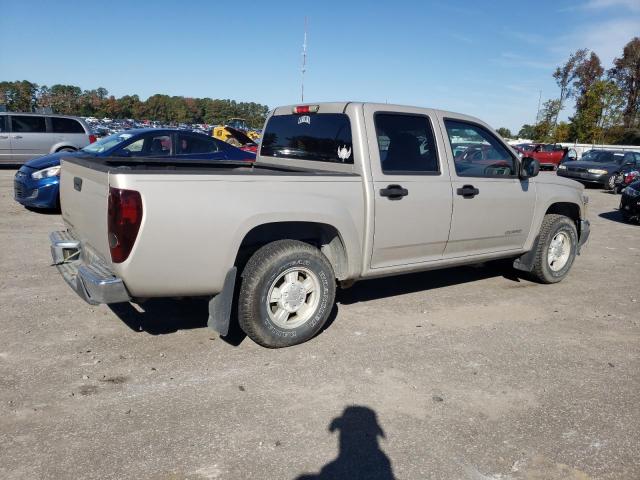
[
  {"x": 25, "y": 96},
  {"x": 607, "y": 102}
]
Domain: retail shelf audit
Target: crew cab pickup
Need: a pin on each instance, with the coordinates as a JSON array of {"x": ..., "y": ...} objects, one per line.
[{"x": 339, "y": 192}]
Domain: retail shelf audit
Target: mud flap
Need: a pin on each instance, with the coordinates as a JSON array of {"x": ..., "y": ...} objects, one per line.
[
  {"x": 220, "y": 305},
  {"x": 525, "y": 261}
]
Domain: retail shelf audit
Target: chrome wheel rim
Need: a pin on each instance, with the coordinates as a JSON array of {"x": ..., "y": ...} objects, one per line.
[
  {"x": 559, "y": 251},
  {"x": 293, "y": 297}
]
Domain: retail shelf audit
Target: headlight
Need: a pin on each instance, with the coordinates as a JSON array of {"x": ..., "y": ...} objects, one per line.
[
  {"x": 46, "y": 173},
  {"x": 562, "y": 167},
  {"x": 597, "y": 171}
]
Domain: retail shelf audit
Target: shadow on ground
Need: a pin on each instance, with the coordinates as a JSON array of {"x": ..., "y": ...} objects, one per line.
[
  {"x": 360, "y": 455},
  {"x": 160, "y": 316},
  {"x": 163, "y": 316},
  {"x": 614, "y": 216},
  {"x": 430, "y": 280}
]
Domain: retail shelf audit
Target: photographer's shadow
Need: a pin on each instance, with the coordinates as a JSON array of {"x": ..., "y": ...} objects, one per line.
[{"x": 360, "y": 456}]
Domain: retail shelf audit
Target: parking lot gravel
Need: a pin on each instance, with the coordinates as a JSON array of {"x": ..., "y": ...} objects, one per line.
[{"x": 466, "y": 373}]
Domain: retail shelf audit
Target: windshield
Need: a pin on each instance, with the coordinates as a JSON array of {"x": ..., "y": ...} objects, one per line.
[
  {"x": 107, "y": 143},
  {"x": 603, "y": 157}
]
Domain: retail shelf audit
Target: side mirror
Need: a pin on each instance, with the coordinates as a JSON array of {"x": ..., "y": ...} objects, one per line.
[{"x": 530, "y": 167}]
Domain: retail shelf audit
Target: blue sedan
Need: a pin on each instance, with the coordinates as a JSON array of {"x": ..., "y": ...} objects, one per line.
[{"x": 36, "y": 184}]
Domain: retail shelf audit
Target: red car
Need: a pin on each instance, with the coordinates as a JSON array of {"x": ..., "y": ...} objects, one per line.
[{"x": 549, "y": 155}]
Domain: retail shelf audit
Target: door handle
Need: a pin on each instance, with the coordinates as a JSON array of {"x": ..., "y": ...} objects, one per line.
[
  {"x": 468, "y": 191},
  {"x": 394, "y": 192},
  {"x": 17, "y": 136}
]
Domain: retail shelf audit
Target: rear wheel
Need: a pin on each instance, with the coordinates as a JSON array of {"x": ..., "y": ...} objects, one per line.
[
  {"x": 610, "y": 184},
  {"x": 286, "y": 295},
  {"x": 556, "y": 249}
]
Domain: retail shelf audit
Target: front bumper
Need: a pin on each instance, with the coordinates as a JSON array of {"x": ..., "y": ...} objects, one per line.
[
  {"x": 584, "y": 177},
  {"x": 630, "y": 205},
  {"x": 35, "y": 193},
  {"x": 86, "y": 273}
]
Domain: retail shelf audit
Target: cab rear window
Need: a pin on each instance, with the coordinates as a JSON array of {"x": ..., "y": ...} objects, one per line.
[{"x": 324, "y": 137}]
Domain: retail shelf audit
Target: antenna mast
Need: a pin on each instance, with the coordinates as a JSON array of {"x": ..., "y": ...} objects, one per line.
[{"x": 304, "y": 60}]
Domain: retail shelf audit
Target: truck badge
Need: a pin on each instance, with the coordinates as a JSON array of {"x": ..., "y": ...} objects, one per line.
[
  {"x": 304, "y": 119},
  {"x": 344, "y": 153}
]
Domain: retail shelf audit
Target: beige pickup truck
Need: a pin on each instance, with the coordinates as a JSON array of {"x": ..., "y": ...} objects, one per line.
[{"x": 339, "y": 192}]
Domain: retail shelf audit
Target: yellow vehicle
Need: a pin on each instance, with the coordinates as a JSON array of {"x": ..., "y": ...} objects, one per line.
[{"x": 233, "y": 129}]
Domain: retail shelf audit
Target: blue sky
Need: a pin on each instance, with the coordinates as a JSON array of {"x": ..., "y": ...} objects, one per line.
[{"x": 485, "y": 58}]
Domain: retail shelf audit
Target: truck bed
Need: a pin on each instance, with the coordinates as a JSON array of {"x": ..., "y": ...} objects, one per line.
[{"x": 196, "y": 214}]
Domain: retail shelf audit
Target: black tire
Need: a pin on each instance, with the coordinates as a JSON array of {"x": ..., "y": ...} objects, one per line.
[
  {"x": 264, "y": 269},
  {"x": 626, "y": 216},
  {"x": 66, "y": 149},
  {"x": 610, "y": 183},
  {"x": 552, "y": 225}
]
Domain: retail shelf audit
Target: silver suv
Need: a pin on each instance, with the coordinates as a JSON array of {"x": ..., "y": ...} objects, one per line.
[{"x": 24, "y": 136}]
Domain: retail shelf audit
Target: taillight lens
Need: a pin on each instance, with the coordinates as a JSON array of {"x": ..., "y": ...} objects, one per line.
[
  {"x": 92, "y": 138},
  {"x": 300, "y": 109},
  {"x": 123, "y": 222}
]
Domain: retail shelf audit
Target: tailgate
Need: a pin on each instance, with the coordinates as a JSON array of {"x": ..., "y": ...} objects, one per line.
[{"x": 83, "y": 198}]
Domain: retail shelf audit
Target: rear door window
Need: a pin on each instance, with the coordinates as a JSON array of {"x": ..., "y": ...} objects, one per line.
[
  {"x": 191, "y": 144},
  {"x": 28, "y": 124},
  {"x": 66, "y": 125},
  {"x": 406, "y": 144},
  {"x": 324, "y": 137},
  {"x": 2, "y": 124}
]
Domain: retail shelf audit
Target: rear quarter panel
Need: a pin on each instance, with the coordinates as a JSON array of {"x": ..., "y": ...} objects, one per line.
[{"x": 193, "y": 225}]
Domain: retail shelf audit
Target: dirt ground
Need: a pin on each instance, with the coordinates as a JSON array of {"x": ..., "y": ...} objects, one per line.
[{"x": 466, "y": 373}]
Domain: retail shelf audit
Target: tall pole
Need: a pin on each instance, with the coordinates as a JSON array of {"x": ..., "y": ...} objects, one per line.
[
  {"x": 538, "y": 112},
  {"x": 304, "y": 60}
]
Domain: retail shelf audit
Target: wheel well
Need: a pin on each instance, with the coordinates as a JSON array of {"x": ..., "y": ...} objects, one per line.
[
  {"x": 567, "y": 209},
  {"x": 321, "y": 235},
  {"x": 66, "y": 147}
]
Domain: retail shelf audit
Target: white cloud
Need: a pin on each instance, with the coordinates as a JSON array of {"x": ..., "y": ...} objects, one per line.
[
  {"x": 606, "y": 39},
  {"x": 633, "y": 5}
]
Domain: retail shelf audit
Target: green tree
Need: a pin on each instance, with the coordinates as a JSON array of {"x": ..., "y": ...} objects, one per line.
[
  {"x": 19, "y": 96},
  {"x": 565, "y": 76},
  {"x": 504, "y": 132},
  {"x": 626, "y": 75},
  {"x": 527, "y": 131}
]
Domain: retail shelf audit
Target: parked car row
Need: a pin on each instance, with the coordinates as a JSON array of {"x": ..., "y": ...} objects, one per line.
[{"x": 36, "y": 183}]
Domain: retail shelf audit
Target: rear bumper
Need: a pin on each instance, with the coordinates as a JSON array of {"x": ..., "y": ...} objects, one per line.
[{"x": 85, "y": 273}]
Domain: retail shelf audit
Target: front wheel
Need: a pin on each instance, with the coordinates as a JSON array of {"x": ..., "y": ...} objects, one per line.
[
  {"x": 66, "y": 149},
  {"x": 287, "y": 293},
  {"x": 556, "y": 249},
  {"x": 610, "y": 184}
]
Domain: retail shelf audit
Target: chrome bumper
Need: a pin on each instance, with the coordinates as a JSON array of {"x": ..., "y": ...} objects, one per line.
[{"x": 91, "y": 279}]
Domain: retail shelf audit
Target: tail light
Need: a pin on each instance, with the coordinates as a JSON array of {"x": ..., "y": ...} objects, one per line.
[
  {"x": 92, "y": 138},
  {"x": 123, "y": 222}
]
